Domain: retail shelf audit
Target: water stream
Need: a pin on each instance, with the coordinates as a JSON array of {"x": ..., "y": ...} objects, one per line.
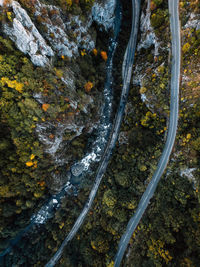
[{"x": 79, "y": 169}]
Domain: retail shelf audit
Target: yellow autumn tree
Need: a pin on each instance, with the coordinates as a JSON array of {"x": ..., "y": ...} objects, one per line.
[
  {"x": 186, "y": 48},
  {"x": 45, "y": 107},
  {"x": 29, "y": 163},
  {"x": 12, "y": 84},
  {"x": 157, "y": 248},
  {"x": 69, "y": 3}
]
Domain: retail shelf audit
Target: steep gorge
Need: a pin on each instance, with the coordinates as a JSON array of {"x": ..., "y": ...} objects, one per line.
[{"x": 50, "y": 117}]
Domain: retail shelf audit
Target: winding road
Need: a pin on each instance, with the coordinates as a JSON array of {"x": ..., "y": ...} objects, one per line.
[
  {"x": 174, "y": 108},
  {"x": 128, "y": 59}
]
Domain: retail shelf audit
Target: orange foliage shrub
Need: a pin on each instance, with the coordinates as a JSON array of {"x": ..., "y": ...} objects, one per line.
[
  {"x": 104, "y": 55},
  {"x": 88, "y": 86},
  {"x": 41, "y": 183},
  {"x": 45, "y": 107},
  {"x": 51, "y": 136}
]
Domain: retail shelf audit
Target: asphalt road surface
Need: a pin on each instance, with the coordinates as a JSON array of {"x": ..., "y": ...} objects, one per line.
[
  {"x": 128, "y": 63},
  {"x": 174, "y": 108}
]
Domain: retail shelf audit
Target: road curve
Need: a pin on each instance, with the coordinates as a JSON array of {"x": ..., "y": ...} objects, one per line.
[
  {"x": 174, "y": 108},
  {"x": 129, "y": 59}
]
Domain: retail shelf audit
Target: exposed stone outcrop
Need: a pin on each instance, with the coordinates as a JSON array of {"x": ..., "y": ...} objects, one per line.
[
  {"x": 45, "y": 32},
  {"x": 55, "y": 30},
  {"x": 148, "y": 37},
  {"x": 193, "y": 21},
  {"x": 103, "y": 13},
  {"x": 59, "y": 33},
  {"x": 26, "y": 37}
]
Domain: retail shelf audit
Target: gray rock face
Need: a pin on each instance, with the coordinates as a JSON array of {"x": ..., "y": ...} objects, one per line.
[
  {"x": 148, "y": 36},
  {"x": 103, "y": 13},
  {"x": 27, "y": 38},
  {"x": 58, "y": 32},
  {"x": 68, "y": 78},
  {"x": 53, "y": 145},
  {"x": 55, "y": 30},
  {"x": 193, "y": 22},
  {"x": 77, "y": 169},
  {"x": 80, "y": 30}
]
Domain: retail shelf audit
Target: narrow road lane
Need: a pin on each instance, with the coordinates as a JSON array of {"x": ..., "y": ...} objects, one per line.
[
  {"x": 174, "y": 108},
  {"x": 129, "y": 59}
]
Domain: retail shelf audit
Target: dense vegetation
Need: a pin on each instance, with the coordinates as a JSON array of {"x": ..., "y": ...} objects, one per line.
[
  {"x": 25, "y": 168},
  {"x": 169, "y": 233}
]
